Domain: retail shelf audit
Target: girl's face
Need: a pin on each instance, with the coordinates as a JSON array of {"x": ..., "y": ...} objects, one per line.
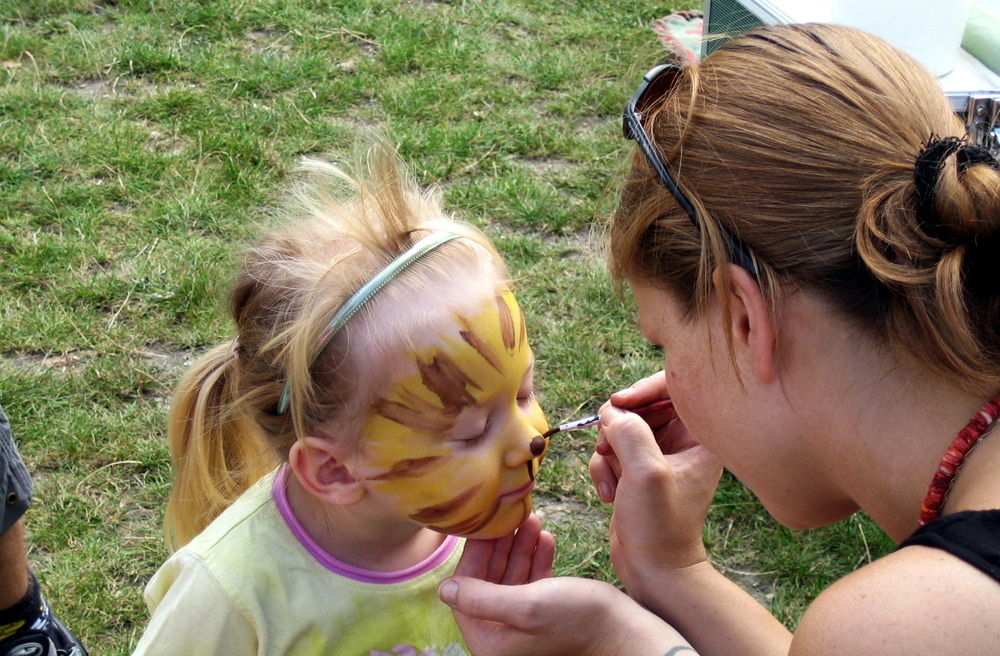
[{"x": 454, "y": 443}]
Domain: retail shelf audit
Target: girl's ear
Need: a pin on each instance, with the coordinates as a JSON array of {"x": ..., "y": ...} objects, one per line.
[
  {"x": 320, "y": 466},
  {"x": 752, "y": 326}
]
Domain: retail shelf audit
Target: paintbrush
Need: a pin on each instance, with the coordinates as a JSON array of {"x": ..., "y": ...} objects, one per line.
[{"x": 642, "y": 411}]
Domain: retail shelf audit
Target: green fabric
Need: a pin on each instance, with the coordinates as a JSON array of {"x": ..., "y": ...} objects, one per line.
[
  {"x": 982, "y": 33},
  {"x": 247, "y": 586}
]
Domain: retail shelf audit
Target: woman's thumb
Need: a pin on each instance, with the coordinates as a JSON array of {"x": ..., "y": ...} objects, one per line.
[
  {"x": 482, "y": 600},
  {"x": 631, "y": 438}
]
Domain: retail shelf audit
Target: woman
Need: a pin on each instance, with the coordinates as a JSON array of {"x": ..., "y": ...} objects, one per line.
[{"x": 817, "y": 251}]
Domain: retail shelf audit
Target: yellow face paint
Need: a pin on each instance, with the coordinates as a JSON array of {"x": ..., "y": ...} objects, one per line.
[{"x": 455, "y": 442}]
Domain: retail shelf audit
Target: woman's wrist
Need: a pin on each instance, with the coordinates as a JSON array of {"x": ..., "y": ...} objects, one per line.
[
  {"x": 629, "y": 629},
  {"x": 663, "y": 589}
]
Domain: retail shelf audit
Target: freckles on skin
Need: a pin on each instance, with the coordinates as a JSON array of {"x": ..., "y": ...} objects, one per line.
[{"x": 416, "y": 433}]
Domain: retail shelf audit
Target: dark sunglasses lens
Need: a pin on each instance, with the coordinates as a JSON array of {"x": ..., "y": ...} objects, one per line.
[{"x": 657, "y": 88}]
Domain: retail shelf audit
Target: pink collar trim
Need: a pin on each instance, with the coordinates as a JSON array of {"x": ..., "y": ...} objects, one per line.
[{"x": 343, "y": 569}]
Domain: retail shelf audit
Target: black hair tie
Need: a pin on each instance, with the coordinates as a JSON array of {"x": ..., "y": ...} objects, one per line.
[
  {"x": 930, "y": 161},
  {"x": 970, "y": 154}
]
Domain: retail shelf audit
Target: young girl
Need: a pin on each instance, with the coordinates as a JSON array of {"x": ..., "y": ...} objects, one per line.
[{"x": 375, "y": 403}]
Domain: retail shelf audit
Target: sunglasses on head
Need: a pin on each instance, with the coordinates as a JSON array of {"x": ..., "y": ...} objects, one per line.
[{"x": 656, "y": 84}]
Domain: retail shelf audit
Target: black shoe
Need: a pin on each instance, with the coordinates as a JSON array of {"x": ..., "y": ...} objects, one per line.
[{"x": 45, "y": 637}]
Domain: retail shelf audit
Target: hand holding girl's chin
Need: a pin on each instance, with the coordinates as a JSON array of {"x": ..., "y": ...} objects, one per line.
[{"x": 507, "y": 602}]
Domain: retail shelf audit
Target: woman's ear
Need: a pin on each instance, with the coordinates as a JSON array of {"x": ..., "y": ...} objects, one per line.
[
  {"x": 752, "y": 326},
  {"x": 320, "y": 466}
]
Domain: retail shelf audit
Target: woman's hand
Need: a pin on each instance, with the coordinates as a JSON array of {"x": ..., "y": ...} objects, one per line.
[
  {"x": 661, "y": 481},
  {"x": 507, "y": 603}
]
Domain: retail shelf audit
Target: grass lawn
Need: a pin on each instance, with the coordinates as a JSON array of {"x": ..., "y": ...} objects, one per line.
[{"x": 143, "y": 141}]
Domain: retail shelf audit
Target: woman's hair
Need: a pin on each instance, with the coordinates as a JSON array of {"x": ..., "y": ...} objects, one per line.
[
  {"x": 224, "y": 429},
  {"x": 801, "y": 141}
]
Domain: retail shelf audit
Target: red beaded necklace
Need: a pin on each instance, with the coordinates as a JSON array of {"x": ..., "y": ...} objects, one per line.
[{"x": 967, "y": 438}]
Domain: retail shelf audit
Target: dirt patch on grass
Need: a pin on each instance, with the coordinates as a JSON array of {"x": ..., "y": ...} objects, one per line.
[
  {"x": 549, "y": 166},
  {"x": 593, "y": 123},
  {"x": 102, "y": 89},
  {"x": 586, "y": 243},
  {"x": 554, "y": 511},
  {"x": 266, "y": 40},
  {"x": 95, "y": 89},
  {"x": 168, "y": 363}
]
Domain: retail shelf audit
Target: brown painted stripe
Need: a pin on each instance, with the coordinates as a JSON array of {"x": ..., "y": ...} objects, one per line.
[
  {"x": 410, "y": 468},
  {"x": 523, "y": 340},
  {"x": 422, "y": 420},
  {"x": 447, "y": 380},
  {"x": 526, "y": 512},
  {"x": 482, "y": 347},
  {"x": 475, "y": 523},
  {"x": 506, "y": 325},
  {"x": 434, "y": 514}
]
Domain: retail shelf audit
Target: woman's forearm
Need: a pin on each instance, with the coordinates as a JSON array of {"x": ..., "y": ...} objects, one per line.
[{"x": 714, "y": 614}]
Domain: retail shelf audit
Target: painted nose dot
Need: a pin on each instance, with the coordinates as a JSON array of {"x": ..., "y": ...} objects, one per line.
[{"x": 537, "y": 445}]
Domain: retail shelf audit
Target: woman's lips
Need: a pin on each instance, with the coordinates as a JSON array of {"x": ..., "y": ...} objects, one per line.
[{"x": 522, "y": 491}]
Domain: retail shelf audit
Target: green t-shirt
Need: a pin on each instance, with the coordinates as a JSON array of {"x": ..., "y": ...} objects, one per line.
[{"x": 253, "y": 582}]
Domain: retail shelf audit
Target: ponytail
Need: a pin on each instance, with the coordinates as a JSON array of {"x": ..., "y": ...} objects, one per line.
[{"x": 217, "y": 451}]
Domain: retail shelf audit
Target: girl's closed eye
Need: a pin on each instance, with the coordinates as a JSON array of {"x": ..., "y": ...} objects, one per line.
[
  {"x": 526, "y": 391},
  {"x": 476, "y": 440}
]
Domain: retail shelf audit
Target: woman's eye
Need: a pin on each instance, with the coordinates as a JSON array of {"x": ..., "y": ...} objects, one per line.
[{"x": 526, "y": 399}]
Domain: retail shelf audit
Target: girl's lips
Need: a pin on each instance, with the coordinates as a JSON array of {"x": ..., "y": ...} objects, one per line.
[{"x": 522, "y": 491}]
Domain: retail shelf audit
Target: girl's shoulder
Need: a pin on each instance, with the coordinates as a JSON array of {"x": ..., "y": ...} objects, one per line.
[
  {"x": 243, "y": 521},
  {"x": 919, "y": 599}
]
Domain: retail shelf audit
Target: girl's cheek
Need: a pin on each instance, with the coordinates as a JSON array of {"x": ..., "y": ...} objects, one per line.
[{"x": 537, "y": 419}]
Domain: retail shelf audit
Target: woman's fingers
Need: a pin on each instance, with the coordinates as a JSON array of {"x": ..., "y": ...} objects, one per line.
[
  {"x": 482, "y": 600},
  {"x": 498, "y": 563},
  {"x": 649, "y": 389},
  {"x": 476, "y": 558},
  {"x": 630, "y": 438},
  {"x": 514, "y": 559},
  {"x": 541, "y": 562},
  {"x": 522, "y": 551},
  {"x": 552, "y": 605},
  {"x": 604, "y": 477}
]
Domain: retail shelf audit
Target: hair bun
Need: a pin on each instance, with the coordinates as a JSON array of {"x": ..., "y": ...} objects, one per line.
[{"x": 927, "y": 178}]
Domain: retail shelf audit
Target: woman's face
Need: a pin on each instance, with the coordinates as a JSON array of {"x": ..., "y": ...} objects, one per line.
[
  {"x": 688, "y": 362},
  {"x": 759, "y": 429},
  {"x": 454, "y": 442}
]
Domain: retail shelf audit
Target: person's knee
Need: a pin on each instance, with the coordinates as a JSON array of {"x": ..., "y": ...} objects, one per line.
[{"x": 15, "y": 481}]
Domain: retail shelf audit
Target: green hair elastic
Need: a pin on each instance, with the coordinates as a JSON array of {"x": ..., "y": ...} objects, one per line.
[{"x": 363, "y": 295}]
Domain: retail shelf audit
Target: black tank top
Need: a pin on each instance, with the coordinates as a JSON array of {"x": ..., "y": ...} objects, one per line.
[{"x": 971, "y": 535}]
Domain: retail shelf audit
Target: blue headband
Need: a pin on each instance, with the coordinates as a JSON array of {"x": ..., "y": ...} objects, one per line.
[{"x": 362, "y": 296}]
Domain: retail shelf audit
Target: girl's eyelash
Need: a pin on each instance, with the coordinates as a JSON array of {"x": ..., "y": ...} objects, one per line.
[{"x": 478, "y": 439}]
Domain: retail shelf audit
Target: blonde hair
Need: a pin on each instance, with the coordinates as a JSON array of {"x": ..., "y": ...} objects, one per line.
[
  {"x": 224, "y": 431},
  {"x": 801, "y": 141}
]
